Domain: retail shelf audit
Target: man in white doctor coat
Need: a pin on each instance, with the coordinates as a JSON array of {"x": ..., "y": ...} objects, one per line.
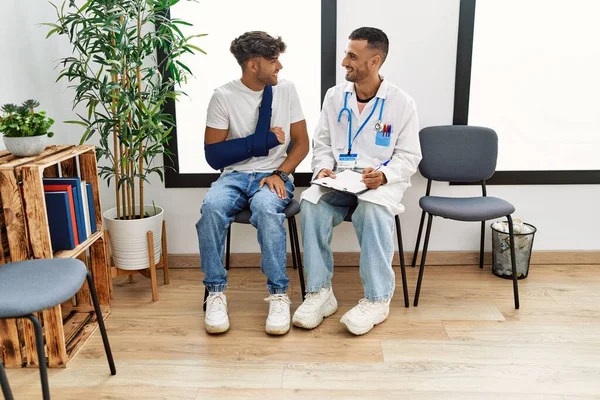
[{"x": 370, "y": 126}]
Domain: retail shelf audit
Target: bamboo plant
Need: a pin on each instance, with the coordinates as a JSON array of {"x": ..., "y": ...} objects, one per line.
[{"x": 116, "y": 74}]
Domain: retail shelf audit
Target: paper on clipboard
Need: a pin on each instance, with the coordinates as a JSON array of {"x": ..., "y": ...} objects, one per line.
[{"x": 346, "y": 181}]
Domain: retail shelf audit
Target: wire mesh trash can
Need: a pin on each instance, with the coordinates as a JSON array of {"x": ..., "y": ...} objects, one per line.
[{"x": 501, "y": 264}]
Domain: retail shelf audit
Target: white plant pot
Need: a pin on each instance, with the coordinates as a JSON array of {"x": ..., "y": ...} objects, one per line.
[
  {"x": 129, "y": 238},
  {"x": 25, "y": 146}
]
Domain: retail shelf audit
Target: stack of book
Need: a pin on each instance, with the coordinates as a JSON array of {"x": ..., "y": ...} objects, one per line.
[{"x": 70, "y": 208}]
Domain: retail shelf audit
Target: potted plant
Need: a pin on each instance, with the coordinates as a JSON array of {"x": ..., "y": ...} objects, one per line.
[
  {"x": 116, "y": 75},
  {"x": 25, "y": 130}
]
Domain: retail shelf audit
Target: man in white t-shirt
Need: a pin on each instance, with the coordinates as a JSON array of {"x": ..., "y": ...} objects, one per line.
[{"x": 248, "y": 140}]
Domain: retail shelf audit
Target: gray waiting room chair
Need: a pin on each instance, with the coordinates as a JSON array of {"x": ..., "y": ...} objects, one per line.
[
  {"x": 32, "y": 286},
  {"x": 461, "y": 154}
]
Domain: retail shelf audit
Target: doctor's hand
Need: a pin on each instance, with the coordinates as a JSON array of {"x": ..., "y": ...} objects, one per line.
[
  {"x": 279, "y": 133},
  {"x": 276, "y": 184},
  {"x": 326, "y": 172},
  {"x": 373, "y": 179}
]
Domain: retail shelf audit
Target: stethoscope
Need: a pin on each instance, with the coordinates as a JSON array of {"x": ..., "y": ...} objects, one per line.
[{"x": 345, "y": 109}]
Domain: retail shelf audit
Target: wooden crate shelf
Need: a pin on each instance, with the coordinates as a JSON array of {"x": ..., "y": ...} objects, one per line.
[
  {"x": 79, "y": 249},
  {"x": 24, "y": 234},
  {"x": 79, "y": 326}
]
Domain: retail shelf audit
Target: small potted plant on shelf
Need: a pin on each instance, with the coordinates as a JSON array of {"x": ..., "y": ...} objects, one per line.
[{"x": 25, "y": 131}]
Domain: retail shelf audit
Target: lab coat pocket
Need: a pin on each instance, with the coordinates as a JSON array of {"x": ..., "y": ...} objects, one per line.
[{"x": 382, "y": 139}]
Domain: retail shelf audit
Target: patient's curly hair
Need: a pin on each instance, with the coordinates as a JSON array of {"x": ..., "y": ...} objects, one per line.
[{"x": 256, "y": 44}]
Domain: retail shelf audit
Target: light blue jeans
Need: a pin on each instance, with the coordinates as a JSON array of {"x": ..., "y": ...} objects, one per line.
[
  {"x": 228, "y": 195},
  {"x": 374, "y": 227}
]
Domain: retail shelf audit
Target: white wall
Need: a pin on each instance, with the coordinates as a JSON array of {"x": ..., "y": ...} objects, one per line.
[
  {"x": 28, "y": 66},
  {"x": 422, "y": 57}
]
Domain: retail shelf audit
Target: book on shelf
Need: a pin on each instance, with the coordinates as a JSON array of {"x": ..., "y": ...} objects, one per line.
[
  {"x": 75, "y": 184},
  {"x": 60, "y": 224},
  {"x": 86, "y": 208},
  {"x": 69, "y": 190},
  {"x": 90, "y": 197}
]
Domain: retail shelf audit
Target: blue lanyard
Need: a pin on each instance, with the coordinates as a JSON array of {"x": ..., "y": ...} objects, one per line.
[{"x": 350, "y": 139}]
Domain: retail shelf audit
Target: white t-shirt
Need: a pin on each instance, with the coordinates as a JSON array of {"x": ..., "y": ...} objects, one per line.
[{"x": 234, "y": 106}]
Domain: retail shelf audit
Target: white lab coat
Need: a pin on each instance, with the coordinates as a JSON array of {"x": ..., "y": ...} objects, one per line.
[{"x": 404, "y": 151}]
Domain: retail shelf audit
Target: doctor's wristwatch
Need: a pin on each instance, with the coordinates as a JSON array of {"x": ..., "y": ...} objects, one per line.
[{"x": 284, "y": 177}]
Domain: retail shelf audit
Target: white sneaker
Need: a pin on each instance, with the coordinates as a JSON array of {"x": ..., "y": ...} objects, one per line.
[
  {"x": 216, "y": 319},
  {"x": 316, "y": 307},
  {"x": 363, "y": 317},
  {"x": 278, "y": 321}
]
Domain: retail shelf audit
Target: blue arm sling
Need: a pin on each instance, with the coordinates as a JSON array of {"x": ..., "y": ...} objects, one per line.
[{"x": 222, "y": 154}]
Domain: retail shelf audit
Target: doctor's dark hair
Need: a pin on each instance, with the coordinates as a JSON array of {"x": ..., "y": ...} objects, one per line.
[
  {"x": 376, "y": 39},
  {"x": 256, "y": 44}
]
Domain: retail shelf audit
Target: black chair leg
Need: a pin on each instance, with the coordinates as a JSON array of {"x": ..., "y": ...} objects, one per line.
[
  {"x": 513, "y": 260},
  {"x": 481, "y": 244},
  {"x": 423, "y": 258},
  {"x": 416, "y": 253},
  {"x": 293, "y": 247},
  {"x": 205, "y": 297},
  {"x": 228, "y": 251},
  {"x": 109, "y": 356},
  {"x": 292, "y": 243},
  {"x": 402, "y": 263},
  {"x": 4, "y": 384},
  {"x": 39, "y": 341},
  {"x": 298, "y": 256}
]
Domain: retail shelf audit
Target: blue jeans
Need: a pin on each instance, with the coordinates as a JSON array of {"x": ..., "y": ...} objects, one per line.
[
  {"x": 374, "y": 227},
  {"x": 227, "y": 196}
]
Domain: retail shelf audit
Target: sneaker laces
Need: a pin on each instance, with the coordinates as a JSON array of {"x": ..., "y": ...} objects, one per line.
[
  {"x": 216, "y": 302},
  {"x": 277, "y": 303},
  {"x": 311, "y": 300},
  {"x": 366, "y": 306}
]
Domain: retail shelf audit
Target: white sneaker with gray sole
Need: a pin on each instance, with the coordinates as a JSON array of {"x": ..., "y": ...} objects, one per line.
[
  {"x": 316, "y": 307},
  {"x": 278, "y": 321},
  {"x": 364, "y": 316},
  {"x": 216, "y": 319}
]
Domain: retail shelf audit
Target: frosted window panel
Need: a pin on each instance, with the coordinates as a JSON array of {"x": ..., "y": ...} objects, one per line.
[
  {"x": 299, "y": 25},
  {"x": 535, "y": 79}
]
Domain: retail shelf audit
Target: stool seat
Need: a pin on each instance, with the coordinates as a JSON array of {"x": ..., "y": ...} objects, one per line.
[{"x": 34, "y": 285}]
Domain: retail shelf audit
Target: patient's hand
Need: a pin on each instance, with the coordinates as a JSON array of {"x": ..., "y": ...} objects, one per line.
[{"x": 278, "y": 131}]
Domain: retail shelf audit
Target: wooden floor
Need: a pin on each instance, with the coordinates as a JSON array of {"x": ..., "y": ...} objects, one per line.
[{"x": 464, "y": 341}]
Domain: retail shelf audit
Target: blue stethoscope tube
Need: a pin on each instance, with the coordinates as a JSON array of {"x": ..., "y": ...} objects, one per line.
[{"x": 346, "y": 110}]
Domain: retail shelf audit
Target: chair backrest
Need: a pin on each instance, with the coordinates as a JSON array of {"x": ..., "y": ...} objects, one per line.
[{"x": 458, "y": 153}]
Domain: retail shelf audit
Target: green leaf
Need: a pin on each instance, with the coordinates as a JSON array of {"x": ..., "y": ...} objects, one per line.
[
  {"x": 191, "y": 46},
  {"x": 76, "y": 123},
  {"x": 52, "y": 32},
  {"x": 182, "y": 65},
  {"x": 180, "y": 22}
]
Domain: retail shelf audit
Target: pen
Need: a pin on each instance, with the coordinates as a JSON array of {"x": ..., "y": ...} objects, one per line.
[{"x": 383, "y": 164}]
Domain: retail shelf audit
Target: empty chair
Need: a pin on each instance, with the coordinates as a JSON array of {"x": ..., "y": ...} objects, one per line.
[
  {"x": 462, "y": 154},
  {"x": 31, "y": 286}
]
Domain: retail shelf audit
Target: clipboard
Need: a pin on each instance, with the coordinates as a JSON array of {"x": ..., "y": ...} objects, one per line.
[{"x": 347, "y": 181}]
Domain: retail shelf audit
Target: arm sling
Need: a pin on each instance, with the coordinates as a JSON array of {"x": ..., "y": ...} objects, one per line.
[{"x": 222, "y": 154}]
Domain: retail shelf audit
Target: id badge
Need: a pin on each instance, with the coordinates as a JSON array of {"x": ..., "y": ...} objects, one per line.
[{"x": 347, "y": 161}]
